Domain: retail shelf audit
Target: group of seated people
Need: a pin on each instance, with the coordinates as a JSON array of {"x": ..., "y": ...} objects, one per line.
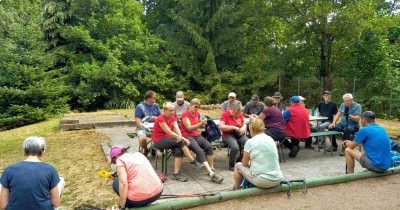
[{"x": 177, "y": 128}]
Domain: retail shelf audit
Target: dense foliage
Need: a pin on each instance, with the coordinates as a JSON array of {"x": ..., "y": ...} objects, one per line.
[{"x": 106, "y": 53}]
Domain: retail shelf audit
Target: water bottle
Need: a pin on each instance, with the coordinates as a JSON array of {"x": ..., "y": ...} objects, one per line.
[
  {"x": 312, "y": 111},
  {"x": 316, "y": 112}
]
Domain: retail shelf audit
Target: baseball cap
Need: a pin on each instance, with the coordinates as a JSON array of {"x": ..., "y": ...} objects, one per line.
[
  {"x": 232, "y": 94},
  {"x": 302, "y": 98},
  {"x": 254, "y": 97},
  {"x": 117, "y": 150},
  {"x": 277, "y": 95},
  {"x": 326, "y": 92},
  {"x": 295, "y": 99},
  {"x": 368, "y": 114},
  {"x": 180, "y": 96}
]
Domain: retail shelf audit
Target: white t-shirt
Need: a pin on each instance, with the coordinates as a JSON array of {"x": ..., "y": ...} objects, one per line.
[
  {"x": 264, "y": 157},
  {"x": 179, "y": 109}
]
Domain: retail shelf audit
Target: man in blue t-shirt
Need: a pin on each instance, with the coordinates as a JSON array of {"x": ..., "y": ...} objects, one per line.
[
  {"x": 146, "y": 111},
  {"x": 376, "y": 144},
  {"x": 349, "y": 114}
]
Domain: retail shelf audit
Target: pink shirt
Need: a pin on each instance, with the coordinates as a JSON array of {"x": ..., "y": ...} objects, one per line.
[
  {"x": 236, "y": 121},
  {"x": 158, "y": 132},
  {"x": 194, "y": 119},
  {"x": 143, "y": 182}
]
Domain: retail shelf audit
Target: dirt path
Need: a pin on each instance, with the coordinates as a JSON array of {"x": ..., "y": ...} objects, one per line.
[{"x": 375, "y": 193}]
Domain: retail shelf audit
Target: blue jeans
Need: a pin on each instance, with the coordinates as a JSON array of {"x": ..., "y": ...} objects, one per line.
[
  {"x": 131, "y": 204},
  {"x": 347, "y": 132}
]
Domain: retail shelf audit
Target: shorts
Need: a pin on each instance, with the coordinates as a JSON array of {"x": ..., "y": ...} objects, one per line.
[
  {"x": 366, "y": 163},
  {"x": 255, "y": 179}
]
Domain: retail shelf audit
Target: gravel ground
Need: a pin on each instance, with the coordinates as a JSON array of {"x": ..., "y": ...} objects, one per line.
[{"x": 374, "y": 193}]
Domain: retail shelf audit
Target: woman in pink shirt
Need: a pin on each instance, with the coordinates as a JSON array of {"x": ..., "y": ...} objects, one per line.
[
  {"x": 233, "y": 131},
  {"x": 167, "y": 135},
  {"x": 137, "y": 183},
  {"x": 191, "y": 122}
]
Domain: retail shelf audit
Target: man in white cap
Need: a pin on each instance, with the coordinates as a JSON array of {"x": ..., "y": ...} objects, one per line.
[
  {"x": 231, "y": 99},
  {"x": 180, "y": 105}
]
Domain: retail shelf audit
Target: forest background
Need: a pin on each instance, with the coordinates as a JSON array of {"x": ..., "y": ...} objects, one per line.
[{"x": 58, "y": 55}]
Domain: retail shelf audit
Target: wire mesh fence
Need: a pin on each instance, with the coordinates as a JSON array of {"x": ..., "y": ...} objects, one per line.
[{"x": 382, "y": 97}]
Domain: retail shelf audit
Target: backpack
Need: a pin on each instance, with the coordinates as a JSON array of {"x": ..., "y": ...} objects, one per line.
[{"x": 212, "y": 131}]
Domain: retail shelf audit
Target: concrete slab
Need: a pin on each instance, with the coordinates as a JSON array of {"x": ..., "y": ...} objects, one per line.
[{"x": 307, "y": 164}]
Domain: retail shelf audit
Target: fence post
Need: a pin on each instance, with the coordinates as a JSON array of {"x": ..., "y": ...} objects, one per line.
[
  {"x": 298, "y": 87},
  {"x": 354, "y": 86},
  {"x": 390, "y": 100},
  {"x": 279, "y": 84}
]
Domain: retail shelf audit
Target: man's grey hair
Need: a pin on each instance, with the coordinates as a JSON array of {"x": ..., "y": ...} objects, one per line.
[
  {"x": 348, "y": 96},
  {"x": 236, "y": 106},
  {"x": 34, "y": 145}
]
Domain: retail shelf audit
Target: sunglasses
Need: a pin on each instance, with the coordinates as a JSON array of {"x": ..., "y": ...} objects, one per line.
[
  {"x": 197, "y": 107},
  {"x": 171, "y": 110}
]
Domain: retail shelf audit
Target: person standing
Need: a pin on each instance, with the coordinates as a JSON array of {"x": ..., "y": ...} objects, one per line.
[
  {"x": 254, "y": 106},
  {"x": 297, "y": 125},
  {"x": 137, "y": 184},
  {"x": 349, "y": 114},
  {"x": 146, "y": 111},
  {"x": 180, "y": 105},
  {"x": 31, "y": 184},
  {"x": 228, "y": 103},
  {"x": 376, "y": 144}
]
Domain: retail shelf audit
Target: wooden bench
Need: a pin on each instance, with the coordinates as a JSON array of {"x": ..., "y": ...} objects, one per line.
[{"x": 324, "y": 134}]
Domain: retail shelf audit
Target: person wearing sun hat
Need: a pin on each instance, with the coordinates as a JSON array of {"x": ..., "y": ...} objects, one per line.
[
  {"x": 180, "y": 104},
  {"x": 137, "y": 183}
]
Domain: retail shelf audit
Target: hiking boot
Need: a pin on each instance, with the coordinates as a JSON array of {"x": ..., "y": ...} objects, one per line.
[
  {"x": 197, "y": 164},
  {"x": 294, "y": 150},
  {"x": 179, "y": 177},
  {"x": 217, "y": 178},
  {"x": 309, "y": 147},
  {"x": 236, "y": 188},
  {"x": 330, "y": 149}
]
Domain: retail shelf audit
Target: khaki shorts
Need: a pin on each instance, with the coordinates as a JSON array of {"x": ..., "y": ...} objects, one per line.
[{"x": 255, "y": 179}]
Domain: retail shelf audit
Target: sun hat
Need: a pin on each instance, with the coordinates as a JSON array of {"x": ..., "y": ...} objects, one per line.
[
  {"x": 232, "y": 94},
  {"x": 117, "y": 150}
]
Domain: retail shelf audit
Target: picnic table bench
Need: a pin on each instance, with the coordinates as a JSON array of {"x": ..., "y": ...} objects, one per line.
[{"x": 325, "y": 134}]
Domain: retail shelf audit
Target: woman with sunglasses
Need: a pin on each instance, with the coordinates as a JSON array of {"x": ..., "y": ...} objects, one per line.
[
  {"x": 191, "y": 122},
  {"x": 167, "y": 135},
  {"x": 233, "y": 131}
]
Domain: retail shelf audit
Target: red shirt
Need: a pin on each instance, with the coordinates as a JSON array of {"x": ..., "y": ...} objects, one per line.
[
  {"x": 158, "y": 132},
  {"x": 194, "y": 119},
  {"x": 298, "y": 125},
  {"x": 237, "y": 121}
]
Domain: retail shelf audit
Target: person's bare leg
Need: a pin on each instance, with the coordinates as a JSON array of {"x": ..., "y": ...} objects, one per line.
[
  {"x": 237, "y": 177},
  {"x": 210, "y": 160},
  {"x": 351, "y": 155},
  {"x": 178, "y": 165},
  {"x": 187, "y": 153}
]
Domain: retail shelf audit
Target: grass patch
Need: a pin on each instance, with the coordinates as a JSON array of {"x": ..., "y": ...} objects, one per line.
[{"x": 77, "y": 156}]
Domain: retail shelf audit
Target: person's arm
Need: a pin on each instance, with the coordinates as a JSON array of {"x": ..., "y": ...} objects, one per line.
[
  {"x": 168, "y": 131},
  {"x": 335, "y": 119},
  {"x": 190, "y": 127},
  {"x": 4, "y": 196},
  {"x": 350, "y": 144},
  {"x": 246, "y": 159},
  {"x": 223, "y": 127},
  {"x": 243, "y": 129},
  {"x": 55, "y": 196},
  {"x": 261, "y": 116},
  {"x": 286, "y": 116},
  {"x": 357, "y": 115},
  {"x": 123, "y": 186}
]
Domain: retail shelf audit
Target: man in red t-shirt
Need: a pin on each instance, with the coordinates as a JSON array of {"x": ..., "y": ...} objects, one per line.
[{"x": 233, "y": 130}]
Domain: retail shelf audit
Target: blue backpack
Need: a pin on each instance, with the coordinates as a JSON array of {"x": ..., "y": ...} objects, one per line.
[{"x": 212, "y": 131}]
